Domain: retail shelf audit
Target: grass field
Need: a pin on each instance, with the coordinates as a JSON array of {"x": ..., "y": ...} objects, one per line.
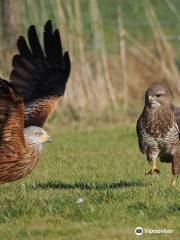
[{"x": 101, "y": 165}]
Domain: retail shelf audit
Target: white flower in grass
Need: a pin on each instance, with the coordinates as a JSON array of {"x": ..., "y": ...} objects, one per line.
[{"x": 80, "y": 200}]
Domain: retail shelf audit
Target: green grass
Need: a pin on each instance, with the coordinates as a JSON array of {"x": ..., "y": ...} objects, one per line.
[{"x": 104, "y": 167}]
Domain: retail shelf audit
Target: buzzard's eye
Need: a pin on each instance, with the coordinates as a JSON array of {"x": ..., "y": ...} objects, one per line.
[{"x": 158, "y": 95}]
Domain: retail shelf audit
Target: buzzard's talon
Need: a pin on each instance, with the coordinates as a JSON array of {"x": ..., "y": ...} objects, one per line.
[
  {"x": 153, "y": 171},
  {"x": 173, "y": 181}
]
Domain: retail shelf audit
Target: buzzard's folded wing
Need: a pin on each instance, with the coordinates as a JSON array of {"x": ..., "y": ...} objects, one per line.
[
  {"x": 177, "y": 115},
  {"x": 139, "y": 132},
  {"x": 40, "y": 75}
]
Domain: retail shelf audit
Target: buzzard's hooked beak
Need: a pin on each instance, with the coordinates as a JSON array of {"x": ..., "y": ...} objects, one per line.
[
  {"x": 151, "y": 98},
  {"x": 153, "y": 101}
]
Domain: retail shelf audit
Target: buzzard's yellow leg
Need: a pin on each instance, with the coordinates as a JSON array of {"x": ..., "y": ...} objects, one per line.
[
  {"x": 154, "y": 170},
  {"x": 173, "y": 180}
]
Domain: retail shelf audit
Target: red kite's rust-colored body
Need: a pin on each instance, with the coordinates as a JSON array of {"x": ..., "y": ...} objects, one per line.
[{"x": 37, "y": 82}]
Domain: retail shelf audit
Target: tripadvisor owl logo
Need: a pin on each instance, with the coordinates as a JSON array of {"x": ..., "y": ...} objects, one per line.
[{"x": 139, "y": 231}]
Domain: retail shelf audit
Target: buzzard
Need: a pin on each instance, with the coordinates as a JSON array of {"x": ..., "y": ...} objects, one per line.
[
  {"x": 37, "y": 82},
  {"x": 158, "y": 131}
]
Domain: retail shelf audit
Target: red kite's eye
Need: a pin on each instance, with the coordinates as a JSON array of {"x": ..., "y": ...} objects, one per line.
[{"x": 38, "y": 133}]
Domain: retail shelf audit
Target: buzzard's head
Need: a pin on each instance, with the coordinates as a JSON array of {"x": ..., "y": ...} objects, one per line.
[{"x": 158, "y": 95}]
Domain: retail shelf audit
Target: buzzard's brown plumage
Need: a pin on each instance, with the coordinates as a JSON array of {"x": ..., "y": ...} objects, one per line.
[
  {"x": 177, "y": 115},
  {"x": 157, "y": 129},
  {"x": 37, "y": 82},
  {"x": 40, "y": 75}
]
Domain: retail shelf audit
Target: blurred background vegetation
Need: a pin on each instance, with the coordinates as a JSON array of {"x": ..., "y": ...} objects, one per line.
[{"x": 117, "y": 48}]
